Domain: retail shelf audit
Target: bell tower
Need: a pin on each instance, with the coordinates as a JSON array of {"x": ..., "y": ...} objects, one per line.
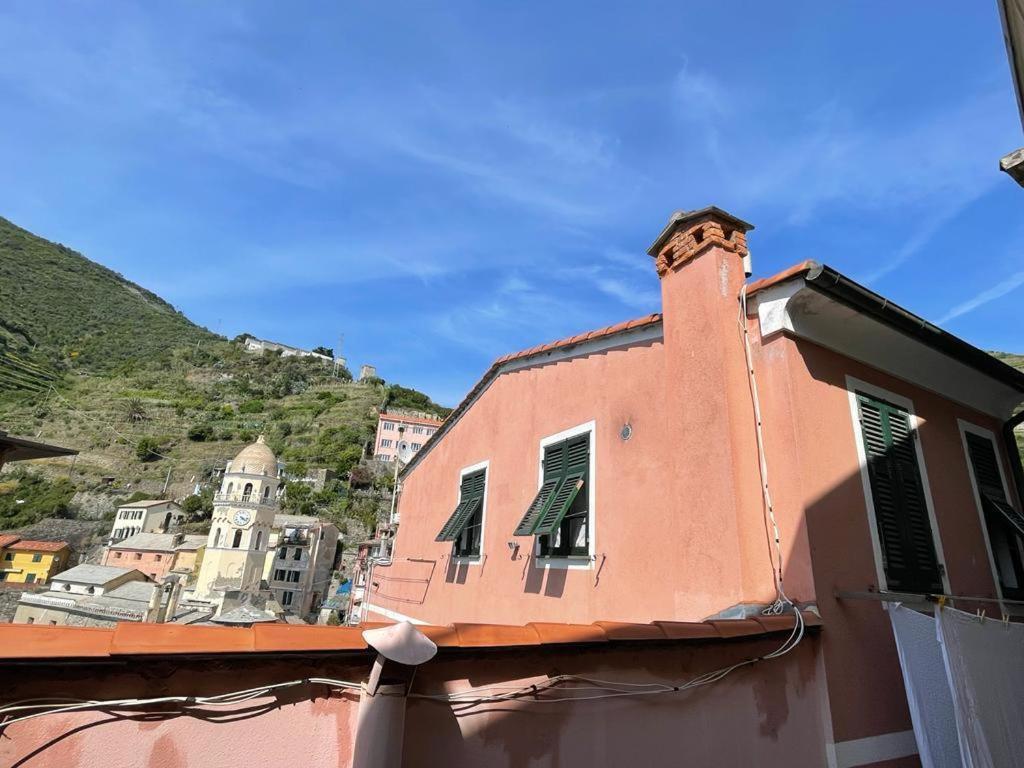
[{"x": 243, "y": 515}]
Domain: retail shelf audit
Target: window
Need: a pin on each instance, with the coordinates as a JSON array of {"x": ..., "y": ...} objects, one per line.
[
  {"x": 416, "y": 446},
  {"x": 247, "y": 492},
  {"x": 286, "y": 598},
  {"x": 216, "y": 538},
  {"x": 158, "y": 558},
  {"x": 417, "y": 430},
  {"x": 385, "y": 443},
  {"x": 293, "y": 576},
  {"x": 283, "y": 553},
  {"x": 37, "y": 558},
  {"x": 465, "y": 525},
  {"x": 259, "y": 539},
  {"x": 117, "y": 555},
  {"x": 53, "y": 622},
  {"x": 897, "y": 494},
  {"x": 237, "y": 541},
  {"x": 9, "y": 556},
  {"x": 31, "y": 620},
  {"x": 30, "y": 578},
  {"x": 1003, "y": 523},
  {"x": 2, "y": 575},
  {"x": 297, "y": 555},
  {"x": 138, "y": 555},
  {"x": 279, "y": 574},
  {"x": 559, "y": 514}
]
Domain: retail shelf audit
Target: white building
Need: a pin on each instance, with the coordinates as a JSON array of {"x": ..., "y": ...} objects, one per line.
[
  {"x": 93, "y": 596},
  {"x": 155, "y": 516}
]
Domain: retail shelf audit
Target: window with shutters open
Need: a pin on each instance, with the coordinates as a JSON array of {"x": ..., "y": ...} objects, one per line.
[
  {"x": 559, "y": 515},
  {"x": 464, "y": 528},
  {"x": 1003, "y": 523},
  {"x": 897, "y": 494}
]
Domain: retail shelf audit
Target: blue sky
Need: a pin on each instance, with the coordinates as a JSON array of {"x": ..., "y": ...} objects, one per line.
[{"x": 444, "y": 183}]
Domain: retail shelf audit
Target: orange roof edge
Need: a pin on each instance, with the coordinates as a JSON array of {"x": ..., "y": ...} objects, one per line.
[
  {"x": 780, "y": 277},
  {"x": 30, "y": 641}
]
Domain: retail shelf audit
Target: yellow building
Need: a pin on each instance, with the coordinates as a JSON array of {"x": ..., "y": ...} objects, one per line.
[{"x": 24, "y": 561}]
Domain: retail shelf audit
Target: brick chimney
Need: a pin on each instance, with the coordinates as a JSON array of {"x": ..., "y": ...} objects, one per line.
[{"x": 702, "y": 260}]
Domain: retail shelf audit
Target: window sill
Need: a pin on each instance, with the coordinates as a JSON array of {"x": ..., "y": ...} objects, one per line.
[
  {"x": 466, "y": 560},
  {"x": 573, "y": 562}
]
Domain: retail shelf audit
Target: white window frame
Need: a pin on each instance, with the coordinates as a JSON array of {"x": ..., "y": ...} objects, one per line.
[
  {"x": 572, "y": 563},
  {"x": 853, "y": 386},
  {"x": 965, "y": 427},
  {"x": 486, "y": 467}
]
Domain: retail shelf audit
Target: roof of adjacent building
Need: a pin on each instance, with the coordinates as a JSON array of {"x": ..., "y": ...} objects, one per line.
[
  {"x": 147, "y": 503},
  {"x": 153, "y": 542},
  {"x": 281, "y": 520},
  {"x": 33, "y": 641},
  {"x": 34, "y": 545},
  {"x": 192, "y": 541},
  {"x": 8, "y": 538},
  {"x": 426, "y": 420},
  {"x": 22, "y": 449},
  {"x": 93, "y": 574}
]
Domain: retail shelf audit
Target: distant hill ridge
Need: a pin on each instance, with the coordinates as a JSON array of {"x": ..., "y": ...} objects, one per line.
[{"x": 59, "y": 308}]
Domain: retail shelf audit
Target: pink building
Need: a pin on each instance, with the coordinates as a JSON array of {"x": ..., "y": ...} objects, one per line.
[
  {"x": 589, "y": 546},
  {"x": 615, "y": 475},
  {"x": 397, "y": 431},
  {"x": 155, "y": 554}
]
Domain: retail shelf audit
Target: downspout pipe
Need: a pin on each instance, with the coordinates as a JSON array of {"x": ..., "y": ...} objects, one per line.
[
  {"x": 380, "y": 728},
  {"x": 1013, "y": 454}
]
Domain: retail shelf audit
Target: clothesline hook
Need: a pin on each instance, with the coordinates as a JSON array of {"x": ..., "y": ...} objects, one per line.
[{"x": 981, "y": 615}]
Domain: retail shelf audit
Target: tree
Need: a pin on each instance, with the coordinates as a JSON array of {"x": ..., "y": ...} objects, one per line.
[
  {"x": 148, "y": 449},
  {"x": 200, "y": 433},
  {"x": 326, "y": 351}
]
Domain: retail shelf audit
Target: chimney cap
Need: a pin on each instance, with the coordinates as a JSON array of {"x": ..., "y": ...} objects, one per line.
[{"x": 681, "y": 217}]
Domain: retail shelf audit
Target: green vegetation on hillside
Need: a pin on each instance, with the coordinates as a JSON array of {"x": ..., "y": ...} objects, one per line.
[
  {"x": 24, "y": 495},
  {"x": 60, "y": 310}
]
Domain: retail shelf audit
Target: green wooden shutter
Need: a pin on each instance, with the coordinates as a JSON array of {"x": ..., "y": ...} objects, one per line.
[
  {"x": 577, "y": 452},
  {"x": 990, "y": 481},
  {"x": 471, "y": 495},
  {"x": 901, "y": 514},
  {"x": 565, "y": 470}
]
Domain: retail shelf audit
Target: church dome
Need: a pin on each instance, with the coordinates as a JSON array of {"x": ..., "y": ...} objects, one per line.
[{"x": 256, "y": 459}]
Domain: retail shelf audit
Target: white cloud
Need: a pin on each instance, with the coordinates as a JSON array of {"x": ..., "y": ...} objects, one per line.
[{"x": 998, "y": 290}]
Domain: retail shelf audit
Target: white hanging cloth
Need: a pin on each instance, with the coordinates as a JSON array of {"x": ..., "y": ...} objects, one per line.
[
  {"x": 927, "y": 685},
  {"x": 985, "y": 667}
]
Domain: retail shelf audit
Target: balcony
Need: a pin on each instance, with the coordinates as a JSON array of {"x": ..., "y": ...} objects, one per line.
[{"x": 243, "y": 500}]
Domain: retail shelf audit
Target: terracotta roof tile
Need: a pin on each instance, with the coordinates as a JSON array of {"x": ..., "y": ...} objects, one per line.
[
  {"x": 135, "y": 638},
  {"x": 33, "y": 641},
  {"x": 484, "y": 635},
  {"x": 780, "y": 277},
  {"x": 41, "y": 546},
  {"x": 23, "y": 641},
  {"x": 6, "y": 539},
  {"x": 736, "y": 627},
  {"x": 294, "y": 637},
  {"x": 616, "y": 630},
  {"x": 569, "y": 633},
  {"x": 687, "y": 630}
]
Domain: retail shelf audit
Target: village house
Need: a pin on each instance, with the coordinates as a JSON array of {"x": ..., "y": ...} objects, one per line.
[
  {"x": 152, "y": 516},
  {"x": 158, "y": 554},
  {"x": 643, "y": 472},
  {"x": 26, "y": 561},
  {"x": 92, "y": 596},
  {"x": 300, "y": 561},
  {"x": 398, "y": 432},
  {"x": 679, "y": 539}
]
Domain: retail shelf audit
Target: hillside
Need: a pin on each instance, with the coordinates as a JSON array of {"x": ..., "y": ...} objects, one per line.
[
  {"x": 60, "y": 310},
  {"x": 155, "y": 404}
]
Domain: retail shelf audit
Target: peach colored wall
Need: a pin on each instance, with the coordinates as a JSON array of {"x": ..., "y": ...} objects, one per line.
[
  {"x": 819, "y": 482},
  {"x": 308, "y": 727},
  {"x": 766, "y": 715},
  {"x": 147, "y": 562}
]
